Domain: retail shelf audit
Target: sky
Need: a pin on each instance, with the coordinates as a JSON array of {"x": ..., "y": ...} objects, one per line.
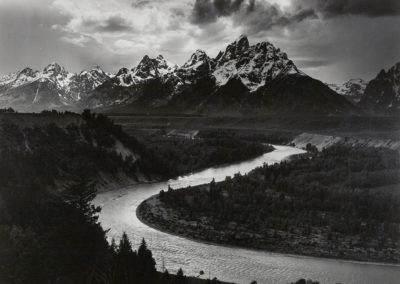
[{"x": 331, "y": 40}]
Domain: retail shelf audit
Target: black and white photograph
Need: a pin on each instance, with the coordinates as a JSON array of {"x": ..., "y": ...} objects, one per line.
[{"x": 199, "y": 141}]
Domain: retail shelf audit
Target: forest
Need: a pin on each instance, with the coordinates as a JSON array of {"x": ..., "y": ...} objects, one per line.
[
  {"x": 341, "y": 202},
  {"x": 49, "y": 230},
  {"x": 271, "y": 137},
  {"x": 185, "y": 155}
]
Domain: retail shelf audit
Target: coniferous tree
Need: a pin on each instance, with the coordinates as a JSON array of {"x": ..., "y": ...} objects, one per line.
[
  {"x": 146, "y": 261},
  {"x": 79, "y": 194}
]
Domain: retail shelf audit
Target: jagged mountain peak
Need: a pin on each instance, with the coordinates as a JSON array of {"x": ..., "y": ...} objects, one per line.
[
  {"x": 163, "y": 63},
  {"x": 153, "y": 67},
  {"x": 254, "y": 65},
  {"x": 27, "y": 72},
  {"x": 242, "y": 42},
  {"x": 96, "y": 70},
  {"x": 122, "y": 71},
  {"x": 393, "y": 71},
  {"x": 54, "y": 69},
  {"x": 234, "y": 50},
  {"x": 396, "y": 67},
  {"x": 242, "y": 37},
  {"x": 146, "y": 67},
  {"x": 382, "y": 94},
  {"x": 196, "y": 59},
  {"x": 144, "y": 61}
]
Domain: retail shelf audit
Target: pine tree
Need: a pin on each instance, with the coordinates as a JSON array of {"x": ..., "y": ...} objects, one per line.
[
  {"x": 180, "y": 278},
  {"x": 125, "y": 246},
  {"x": 146, "y": 260},
  {"x": 79, "y": 194}
]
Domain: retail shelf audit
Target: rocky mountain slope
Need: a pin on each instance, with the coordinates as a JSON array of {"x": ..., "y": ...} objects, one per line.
[
  {"x": 351, "y": 90},
  {"x": 243, "y": 77},
  {"x": 54, "y": 87},
  {"x": 382, "y": 94}
]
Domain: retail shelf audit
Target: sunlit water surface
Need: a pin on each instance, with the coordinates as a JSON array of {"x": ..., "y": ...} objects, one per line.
[{"x": 227, "y": 263}]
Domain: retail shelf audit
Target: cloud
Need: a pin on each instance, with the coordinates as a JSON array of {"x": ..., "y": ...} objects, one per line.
[
  {"x": 80, "y": 40},
  {"x": 206, "y": 11},
  {"x": 253, "y": 15},
  {"x": 110, "y": 24},
  {"x": 203, "y": 12},
  {"x": 369, "y": 8},
  {"x": 265, "y": 16}
]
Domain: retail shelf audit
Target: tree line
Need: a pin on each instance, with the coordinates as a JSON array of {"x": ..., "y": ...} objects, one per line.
[{"x": 344, "y": 194}]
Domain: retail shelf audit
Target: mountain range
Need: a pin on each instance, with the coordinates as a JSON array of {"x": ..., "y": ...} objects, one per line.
[
  {"x": 259, "y": 78},
  {"x": 54, "y": 87},
  {"x": 241, "y": 79}
]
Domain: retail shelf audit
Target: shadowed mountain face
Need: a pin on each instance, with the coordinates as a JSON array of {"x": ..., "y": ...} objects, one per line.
[
  {"x": 382, "y": 94},
  {"x": 242, "y": 79}
]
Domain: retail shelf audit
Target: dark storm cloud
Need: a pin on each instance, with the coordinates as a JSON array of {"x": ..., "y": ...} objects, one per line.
[
  {"x": 205, "y": 11},
  {"x": 253, "y": 15},
  {"x": 370, "y": 8},
  {"x": 270, "y": 16},
  {"x": 227, "y": 7},
  {"x": 112, "y": 24}
]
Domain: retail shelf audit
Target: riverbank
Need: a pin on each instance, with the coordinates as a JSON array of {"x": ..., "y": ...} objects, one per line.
[{"x": 154, "y": 214}]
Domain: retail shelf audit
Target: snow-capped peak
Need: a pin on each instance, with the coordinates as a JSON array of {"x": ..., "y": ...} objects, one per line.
[
  {"x": 54, "y": 69},
  {"x": 147, "y": 69},
  {"x": 27, "y": 72},
  {"x": 352, "y": 89},
  {"x": 152, "y": 67},
  {"x": 197, "y": 59},
  {"x": 53, "y": 86},
  {"x": 164, "y": 66},
  {"x": 254, "y": 65}
]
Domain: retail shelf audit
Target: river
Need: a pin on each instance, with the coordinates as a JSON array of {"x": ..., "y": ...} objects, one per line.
[{"x": 227, "y": 263}]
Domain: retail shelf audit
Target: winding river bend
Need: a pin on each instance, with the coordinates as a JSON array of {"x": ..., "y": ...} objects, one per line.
[{"x": 226, "y": 263}]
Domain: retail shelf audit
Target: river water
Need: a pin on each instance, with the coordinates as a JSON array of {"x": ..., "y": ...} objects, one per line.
[{"x": 227, "y": 263}]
